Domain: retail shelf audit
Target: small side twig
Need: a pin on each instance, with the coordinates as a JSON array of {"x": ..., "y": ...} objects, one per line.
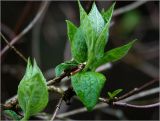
[
  {"x": 57, "y": 108},
  {"x": 135, "y": 90},
  {"x": 142, "y": 94}
]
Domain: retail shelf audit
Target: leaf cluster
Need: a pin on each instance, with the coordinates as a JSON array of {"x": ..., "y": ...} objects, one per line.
[{"x": 88, "y": 43}]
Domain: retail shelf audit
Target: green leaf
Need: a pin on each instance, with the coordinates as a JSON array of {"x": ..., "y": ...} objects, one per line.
[
  {"x": 71, "y": 30},
  {"x": 96, "y": 19},
  {"x": 101, "y": 42},
  {"x": 64, "y": 67},
  {"x": 110, "y": 95},
  {"x": 86, "y": 27},
  {"x": 77, "y": 38},
  {"x": 114, "y": 54},
  {"x": 32, "y": 91},
  {"x": 88, "y": 32},
  {"x": 88, "y": 86},
  {"x": 114, "y": 93},
  {"x": 79, "y": 47},
  {"x": 103, "y": 36},
  {"x": 90, "y": 38},
  {"x": 13, "y": 115},
  {"x": 108, "y": 14}
]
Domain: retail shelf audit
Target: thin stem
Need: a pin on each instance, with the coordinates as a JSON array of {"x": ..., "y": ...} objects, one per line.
[
  {"x": 141, "y": 94},
  {"x": 133, "y": 97},
  {"x": 136, "y": 106},
  {"x": 72, "y": 72},
  {"x": 124, "y": 104},
  {"x": 136, "y": 96},
  {"x": 44, "y": 6},
  {"x": 57, "y": 108},
  {"x": 56, "y": 89},
  {"x": 56, "y": 79},
  {"x": 129, "y": 7},
  {"x": 135, "y": 90},
  {"x": 12, "y": 47}
]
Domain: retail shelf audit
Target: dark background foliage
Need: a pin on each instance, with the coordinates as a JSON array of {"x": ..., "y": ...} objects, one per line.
[{"x": 48, "y": 43}]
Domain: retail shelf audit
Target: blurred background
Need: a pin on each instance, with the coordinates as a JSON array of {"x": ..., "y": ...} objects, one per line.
[{"x": 47, "y": 42}]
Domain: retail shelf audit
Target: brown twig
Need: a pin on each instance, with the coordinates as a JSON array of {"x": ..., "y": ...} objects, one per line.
[
  {"x": 135, "y": 90},
  {"x": 66, "y": 73},
  {"x": 141, "y": 94},
  {"x": 10, "y": 104},
  {"x": 56, "y": 89},
  {"x": 57, "y": 108},
  {"x": 29, "y": 27},
  {"x": 12, "y": 47},
  {"x": 124, "y": 104},
  {"x": 129, "y": 96},
  {"x": 136, "y": 106},
  {"x": 57, "y": 79}
]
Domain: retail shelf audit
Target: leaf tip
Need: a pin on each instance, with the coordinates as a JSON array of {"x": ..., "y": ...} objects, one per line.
[
  {"x": 79, "y": 4},
  {"x": 114, "y": 3},
  {"x": 34, "y": 63},
  {"x": 133, "y": 41}
]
